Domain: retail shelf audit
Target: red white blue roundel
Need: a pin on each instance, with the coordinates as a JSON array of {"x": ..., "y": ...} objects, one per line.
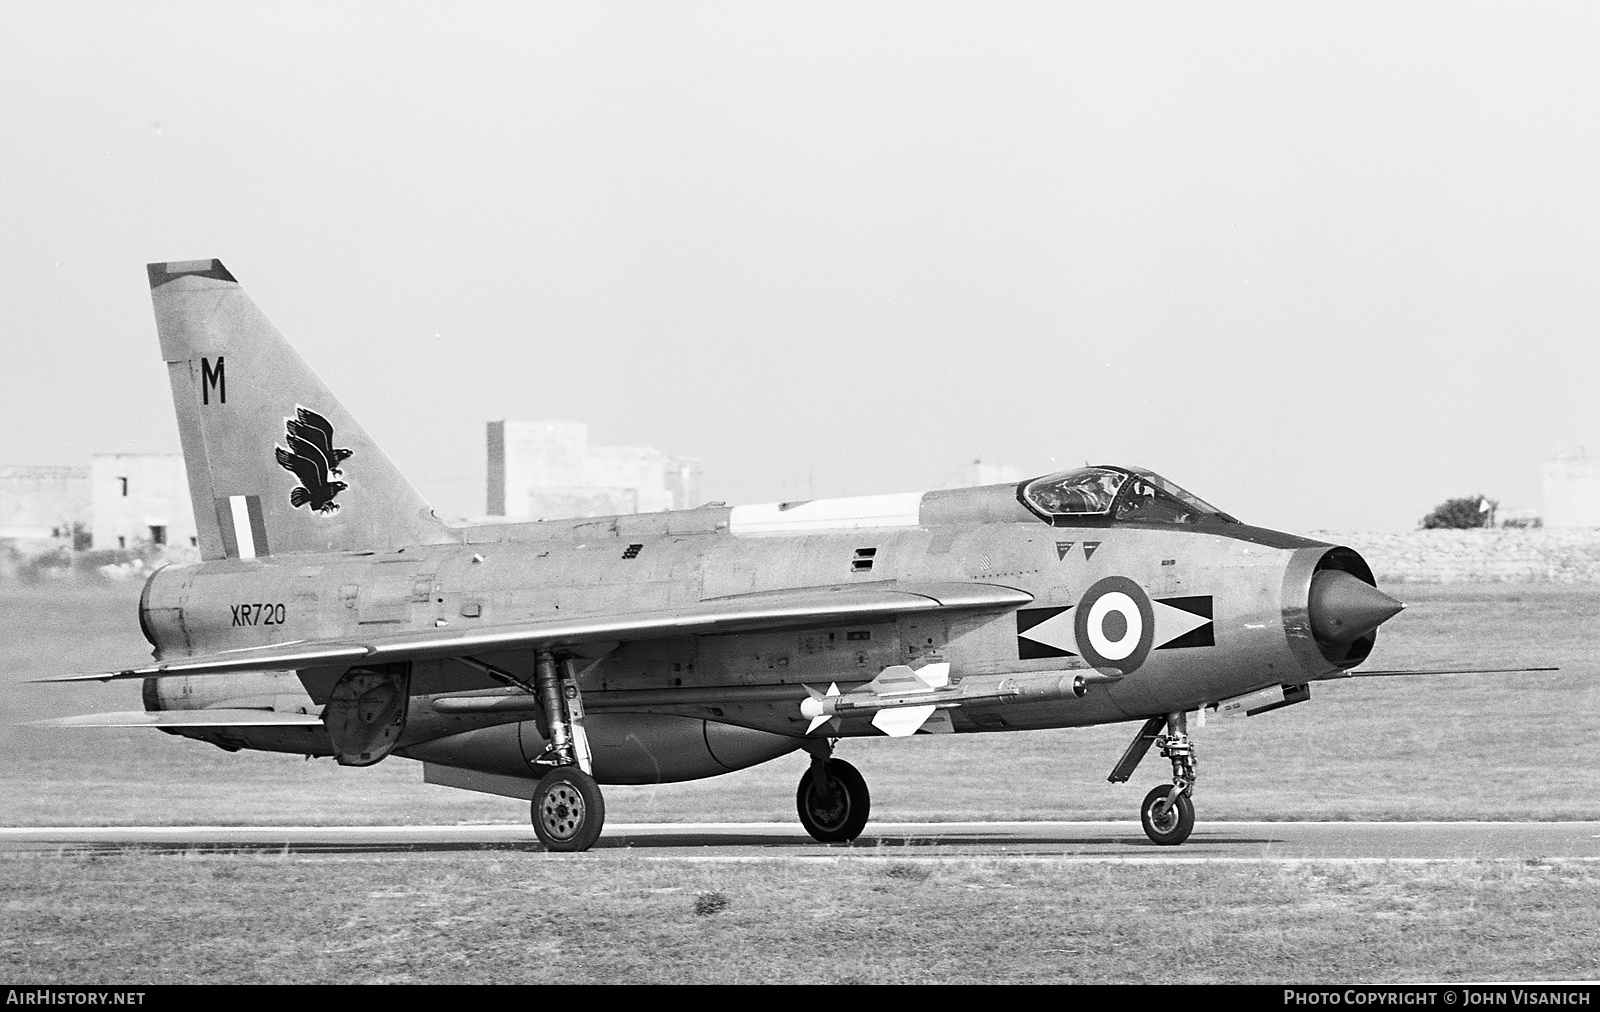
[{"x": 1114, "y": 625}]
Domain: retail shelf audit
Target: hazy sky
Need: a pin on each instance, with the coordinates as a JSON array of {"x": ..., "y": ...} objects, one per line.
[{"x": 1325, "y": 264}]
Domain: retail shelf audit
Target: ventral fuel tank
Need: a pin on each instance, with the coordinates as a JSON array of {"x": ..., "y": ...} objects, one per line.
[{"x": 627, "y": 748}]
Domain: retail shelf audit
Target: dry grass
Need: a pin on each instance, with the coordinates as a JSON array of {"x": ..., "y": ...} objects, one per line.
[
  {"x": 618, "y": 917},
  {"x": 1486, "y": 747}
]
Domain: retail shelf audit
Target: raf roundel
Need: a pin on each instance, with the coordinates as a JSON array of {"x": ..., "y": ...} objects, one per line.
[{"x": 1115, "y": 625}]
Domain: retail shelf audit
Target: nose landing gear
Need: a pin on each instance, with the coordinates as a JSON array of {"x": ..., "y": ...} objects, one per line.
[{"x": 1167, "y": 812}]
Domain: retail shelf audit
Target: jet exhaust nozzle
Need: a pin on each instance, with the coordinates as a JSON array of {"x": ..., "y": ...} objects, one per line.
[{"x": 1344, "y": 607}]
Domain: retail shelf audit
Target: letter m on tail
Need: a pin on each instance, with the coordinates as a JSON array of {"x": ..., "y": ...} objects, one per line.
[{"x": 213, "y": 379}]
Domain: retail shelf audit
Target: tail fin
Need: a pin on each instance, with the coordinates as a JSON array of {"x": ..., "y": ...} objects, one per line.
[{"x": 276, "y": 464}]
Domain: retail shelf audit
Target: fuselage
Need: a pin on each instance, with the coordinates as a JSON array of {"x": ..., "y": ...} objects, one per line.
[{"x": 1226, "y": 606}]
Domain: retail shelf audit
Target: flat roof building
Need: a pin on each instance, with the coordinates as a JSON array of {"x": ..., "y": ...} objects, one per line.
[
  {"x": 548, "y": 471},
  {"x": 141, "y": 500},
  {"x": 41, "y": 504}
]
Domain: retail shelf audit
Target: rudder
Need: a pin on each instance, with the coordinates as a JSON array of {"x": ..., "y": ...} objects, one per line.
[{"x": 276, "y": 464}]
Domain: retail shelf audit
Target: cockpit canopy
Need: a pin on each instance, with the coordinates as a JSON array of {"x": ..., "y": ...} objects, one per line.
[{"x": 1116, "y": 495}]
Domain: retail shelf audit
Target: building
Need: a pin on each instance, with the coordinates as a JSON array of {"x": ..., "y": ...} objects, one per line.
[
  {"x": 1571, "y": 489},
  {"x": 140, "y": 500},
  {"x": 43, "y": 506},
  {"x": 548, "y": 470}
]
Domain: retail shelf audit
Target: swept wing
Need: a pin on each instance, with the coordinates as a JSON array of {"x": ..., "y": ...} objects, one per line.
[
  {"x": 216, "y": 718},
  {"x": 742, "y": 613}
]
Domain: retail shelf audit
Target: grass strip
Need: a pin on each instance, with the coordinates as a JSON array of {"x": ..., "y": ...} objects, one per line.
[{"x": 498, "y": 917}]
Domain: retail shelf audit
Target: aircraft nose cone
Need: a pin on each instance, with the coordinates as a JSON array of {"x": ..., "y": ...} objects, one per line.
[{"x": 1344, "y": 607}]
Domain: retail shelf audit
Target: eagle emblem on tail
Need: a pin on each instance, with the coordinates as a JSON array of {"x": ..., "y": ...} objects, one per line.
[{"x": 312, "y": 457}]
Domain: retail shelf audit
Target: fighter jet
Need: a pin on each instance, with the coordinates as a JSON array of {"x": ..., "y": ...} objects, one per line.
[{"x": 541, "y": 660}]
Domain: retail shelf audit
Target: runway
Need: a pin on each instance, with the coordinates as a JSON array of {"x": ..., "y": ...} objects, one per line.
[{"x": 1065, "y": 841}]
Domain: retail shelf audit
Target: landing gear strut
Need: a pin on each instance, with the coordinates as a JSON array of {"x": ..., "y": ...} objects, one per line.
[
  {"x": 568, "y": 810},
  {"x": 1167, "y": 813},
  {"x": 832, "y": 799}
]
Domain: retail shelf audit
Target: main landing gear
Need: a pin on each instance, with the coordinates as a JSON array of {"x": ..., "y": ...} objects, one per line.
[
  {"x": 568, "y": 810},
  {"x": 1167, "y": 813},
  {"x": 832, "y": 799}
]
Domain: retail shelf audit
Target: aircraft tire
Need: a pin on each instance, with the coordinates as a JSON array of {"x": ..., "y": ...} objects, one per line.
[
  {"x": 568, "y": 810},
  {"x": 847, "y": 816},
  {"x": 1175, "y": 825}
]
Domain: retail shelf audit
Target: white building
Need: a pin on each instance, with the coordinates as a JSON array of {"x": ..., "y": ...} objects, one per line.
[
  {"x": 42, "y": 505},
  {"x": 548, "y": 470},
  {"x": 1571, "y": 489},
  {"x": 140, "y": 500}
]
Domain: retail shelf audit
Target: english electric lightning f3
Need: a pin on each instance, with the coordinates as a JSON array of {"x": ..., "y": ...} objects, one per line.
[{"x": 334, "y": 615}]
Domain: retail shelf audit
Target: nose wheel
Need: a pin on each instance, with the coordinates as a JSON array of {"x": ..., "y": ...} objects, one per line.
[
  {"x": 833, "y": 800},
  {"x": 1167, "y": 820}
]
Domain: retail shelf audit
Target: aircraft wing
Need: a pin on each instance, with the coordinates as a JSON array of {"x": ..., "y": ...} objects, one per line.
[
  {"x": 185, "y": 718},
  {"x": 742, "y": 613}
]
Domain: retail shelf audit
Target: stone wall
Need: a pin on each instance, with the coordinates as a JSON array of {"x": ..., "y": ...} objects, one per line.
[{"x": 1495, "y": 555}]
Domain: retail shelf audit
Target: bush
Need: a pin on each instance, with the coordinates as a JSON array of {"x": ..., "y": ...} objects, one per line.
[
  {"x": 56, "y": 562},
  {"x": 60, "y": 563},
  {"x": 1461, "y": 514},
  {"x": 710, "y": 903}
]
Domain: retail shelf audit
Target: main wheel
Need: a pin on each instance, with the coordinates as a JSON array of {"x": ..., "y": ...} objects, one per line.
[
  {"x": 1174, "y": 825},
  {"x": 568, "y": 811},
  {"x": 845, "y": 814}
]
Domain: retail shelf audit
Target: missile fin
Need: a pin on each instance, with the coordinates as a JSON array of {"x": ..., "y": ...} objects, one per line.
[
  {"x": 897, "y": 678},
  {"x": 900, "y": 678},
  {"x": 902, "y": 720},
  {"x": 934, "y": 676}
]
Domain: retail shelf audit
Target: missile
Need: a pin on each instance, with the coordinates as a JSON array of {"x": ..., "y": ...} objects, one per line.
[{"x": 900, "y": 700}]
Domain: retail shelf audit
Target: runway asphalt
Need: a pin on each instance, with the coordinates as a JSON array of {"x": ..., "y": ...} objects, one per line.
[{"x": 1068, "y": 841}]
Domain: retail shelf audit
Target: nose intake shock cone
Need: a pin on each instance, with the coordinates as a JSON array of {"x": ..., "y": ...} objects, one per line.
[{"x": 1344, "y": 607}]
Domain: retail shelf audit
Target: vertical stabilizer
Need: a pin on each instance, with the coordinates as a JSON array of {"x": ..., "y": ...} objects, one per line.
[{"x": 276, "y": 465}]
